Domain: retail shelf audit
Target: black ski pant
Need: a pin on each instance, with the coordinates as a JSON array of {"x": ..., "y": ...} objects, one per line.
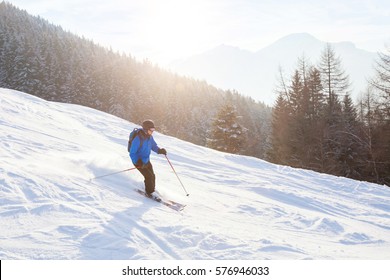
[{"x": 150, "y": 178}]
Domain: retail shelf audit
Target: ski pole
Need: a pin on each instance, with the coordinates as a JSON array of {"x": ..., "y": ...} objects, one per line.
[
  {"x": 176, "y": 175},
  {"x": 113, "y": 173}
]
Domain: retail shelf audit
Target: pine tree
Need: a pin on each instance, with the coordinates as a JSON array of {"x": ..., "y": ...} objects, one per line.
[
  {"x": 335, "y": 84},
  {"x": 381, "y": 81},
  {"x": 369, "y": 130},
  {"x": 313, "y": 121},
  {"x": 335, "y": 81},
  {"x": 297, "y": 129},
  {"x": 279, "y": 151},
  {"x": 316, "y": 96},
  {"x": 227, "y": 133},
  {"x": 352, "y": 147}
]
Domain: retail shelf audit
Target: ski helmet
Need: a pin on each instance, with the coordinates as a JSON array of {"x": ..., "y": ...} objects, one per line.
[{"x": 148, "y": 124}]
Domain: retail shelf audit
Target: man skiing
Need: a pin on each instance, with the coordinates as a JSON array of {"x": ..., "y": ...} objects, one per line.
[{"x": 140, "y": 150}]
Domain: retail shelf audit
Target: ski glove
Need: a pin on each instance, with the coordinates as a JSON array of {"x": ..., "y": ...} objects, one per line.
[{"x": 162, "y": 151}]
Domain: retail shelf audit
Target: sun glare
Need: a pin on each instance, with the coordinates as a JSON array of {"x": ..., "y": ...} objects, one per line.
[{"x": 176, "y": 28}]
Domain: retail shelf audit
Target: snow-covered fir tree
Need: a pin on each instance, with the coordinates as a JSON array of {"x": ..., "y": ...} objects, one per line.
[{"x": 227, "y": 133}]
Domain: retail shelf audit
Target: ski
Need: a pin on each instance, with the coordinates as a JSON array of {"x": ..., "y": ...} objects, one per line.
[{"x": 169, "y": 203}]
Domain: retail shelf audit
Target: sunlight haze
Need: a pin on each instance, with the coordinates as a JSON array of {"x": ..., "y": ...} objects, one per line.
[{"x": 164, "y": 31}]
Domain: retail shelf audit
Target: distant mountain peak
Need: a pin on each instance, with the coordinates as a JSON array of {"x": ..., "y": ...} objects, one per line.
[
  {"x": 223, "y": 48},
  {"x": 254, "y": 73},
  {"x": 295, "y": 40},
  {"x": 298, "y": 36}
]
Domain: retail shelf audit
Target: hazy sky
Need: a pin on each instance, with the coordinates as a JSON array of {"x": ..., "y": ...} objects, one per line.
[{"x": 164, "y": 30}]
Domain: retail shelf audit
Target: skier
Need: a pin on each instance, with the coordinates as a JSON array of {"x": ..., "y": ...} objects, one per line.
[{"x": 140, "y": 150}]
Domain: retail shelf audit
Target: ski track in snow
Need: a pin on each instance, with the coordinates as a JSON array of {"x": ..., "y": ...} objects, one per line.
[{"x": 239, "y": 207}]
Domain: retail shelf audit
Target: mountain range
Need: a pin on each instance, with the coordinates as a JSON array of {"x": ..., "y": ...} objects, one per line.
[{"x": 255, "y": 73}]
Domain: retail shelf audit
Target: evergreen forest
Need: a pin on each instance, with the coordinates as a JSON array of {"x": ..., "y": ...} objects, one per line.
[
  {"x": 42, "y": 59},
  {"x": 317, "y": 126}
]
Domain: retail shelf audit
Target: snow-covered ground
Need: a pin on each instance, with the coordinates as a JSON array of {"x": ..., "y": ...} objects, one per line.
[{"x": 239, "y": 207}]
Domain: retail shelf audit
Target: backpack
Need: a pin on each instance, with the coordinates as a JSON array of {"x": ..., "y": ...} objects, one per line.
[{"x": 132, "y": 135}]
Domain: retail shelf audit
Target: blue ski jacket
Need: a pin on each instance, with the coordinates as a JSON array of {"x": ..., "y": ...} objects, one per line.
[{"x": 142, "y": 152}]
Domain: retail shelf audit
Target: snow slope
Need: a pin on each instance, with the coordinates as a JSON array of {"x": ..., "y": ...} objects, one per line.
[{"x": 239, "y": 207}]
